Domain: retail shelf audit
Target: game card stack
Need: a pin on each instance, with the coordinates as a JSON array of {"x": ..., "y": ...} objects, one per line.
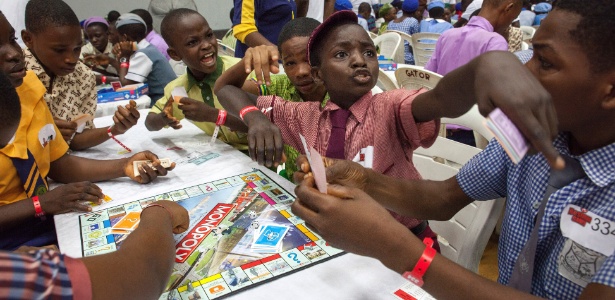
[
  {"x": 507, "y": 135},
  {"x": 164, "y": 162},
  {"x": 268, "y": 238}
]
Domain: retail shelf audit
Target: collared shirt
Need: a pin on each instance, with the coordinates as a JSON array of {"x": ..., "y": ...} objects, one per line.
[
  {"x": 491, "y": 174},
  {"x": 37, "y": 133},
  {"x": 44, "y": 274},
  {"x": 384, "y": 121},
  {"x": 266, "y": 17},
  {"x": 201, "y": 91},
  {"x": 410, "y": 26},
  {"x": 149, "y": 66},
  {"x": 515, "y": 37},
  {"x": 362, "y": 22},
  {"x": 282, "y": 87},
  {"x": 435, "y": 25},
  {"x": 458, "y": 46},
  {"x": 90, "y": 49},
  {"x": 157, "y": 41},
  {"x": 71, "y": 95}
]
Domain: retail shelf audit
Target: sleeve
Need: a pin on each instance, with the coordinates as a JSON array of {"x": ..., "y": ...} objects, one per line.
[
  {"x": 90, "y": 97},
  {"x": 422, "y": 134},
  {"x": 484, "y": 177},
  {"x": 244, "y": 20},
  {"x": 432, "y": 63},
  {"x": 497, "y": 43},
  {"x": 139, "y": 68}
]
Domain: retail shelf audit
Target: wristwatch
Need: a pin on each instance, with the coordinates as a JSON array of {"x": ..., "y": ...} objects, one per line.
[{"x": 123, "y": 59}]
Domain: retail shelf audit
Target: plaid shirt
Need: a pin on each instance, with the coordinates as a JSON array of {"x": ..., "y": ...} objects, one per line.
[
  {"x": 45, "y": 274},
  {"x": 384, "y": 121},
  {"x": 491, "y": 175}
]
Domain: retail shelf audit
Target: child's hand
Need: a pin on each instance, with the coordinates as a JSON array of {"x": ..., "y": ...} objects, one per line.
[
  {"x": 167, "y": 115},
  {"x": 338, "y": 171},
  {"x": 67, "y": 128},
  {"x": 181, "y": 219},
  {"x": 125, "y": 117},
  {"x": 124, "y": 49},
  {"x": 93, "y": 60},
  {"x": 69, "y": 197},
  {"x": 263, "y": 60},
  {"x": 264, "y": 140},
  {"x": 146, "y": 174},
  {"x": 197, "y": 110}
]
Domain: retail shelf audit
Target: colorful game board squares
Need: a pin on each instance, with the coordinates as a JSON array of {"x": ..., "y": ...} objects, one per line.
[
  {"x": 208, "y": 188},
  {"x": 307, "y": 232},
  {"x": 192, "y": 291},
  {"x": 256, "y": 271},
  {"x": 295, "y": 258},
  {"x": 193, "y": 191},
  {"x": 236, "y": 278},
  {"x": 93, "y": 217}
]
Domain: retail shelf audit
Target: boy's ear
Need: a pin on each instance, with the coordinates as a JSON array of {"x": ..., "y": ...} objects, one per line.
[
  {"x": 316, "y": 75},
  {"x": 26, "y": 36},
  {"x": 173, "y": 54},
  {"x": 609, "y": 99}
]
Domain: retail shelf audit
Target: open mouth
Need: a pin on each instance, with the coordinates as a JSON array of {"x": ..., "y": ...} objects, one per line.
[{"x": 208, "y": 59}]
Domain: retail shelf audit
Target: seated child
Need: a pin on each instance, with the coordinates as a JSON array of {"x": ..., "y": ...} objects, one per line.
[
  {"x": 192, "y": 41},
  {"x": 37, "y": 150},
  {"x": 97, "y": 32},
  {"x": 142, "y": 63},
  {"x": 435, "y": 23},
  {"x": 296, "y": 85},
  {"x": 343, "y": 57},
  {"x": 53, "y": 40}
]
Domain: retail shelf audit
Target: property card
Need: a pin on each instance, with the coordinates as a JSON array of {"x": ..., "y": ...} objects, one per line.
[
  {"x": 129, "y": 222},
  {"x": 507, "y": 135},
  {"x": 269, "y": 238},
  {"x": 178, "y": 93},
  {"x": 164, "y": 162},
  {"x": 316, "y": 165}
]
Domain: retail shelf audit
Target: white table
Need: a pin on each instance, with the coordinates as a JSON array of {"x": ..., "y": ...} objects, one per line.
[
  {"x": 346, "y": 277},
  {"x": 109, "y": 108}
]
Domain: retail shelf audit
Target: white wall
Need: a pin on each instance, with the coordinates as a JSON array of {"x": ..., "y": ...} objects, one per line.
[{"x": 215, "y": 11}]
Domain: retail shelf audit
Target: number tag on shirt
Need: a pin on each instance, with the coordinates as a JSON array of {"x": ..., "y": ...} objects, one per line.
[
  {"x": 365, "y": 157},
  {"x": 588, "y": 229}
]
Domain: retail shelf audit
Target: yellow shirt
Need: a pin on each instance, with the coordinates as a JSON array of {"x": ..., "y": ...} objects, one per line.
[
  {"x": 36, "y": 132},
  {"x": 236, "y": 139}
]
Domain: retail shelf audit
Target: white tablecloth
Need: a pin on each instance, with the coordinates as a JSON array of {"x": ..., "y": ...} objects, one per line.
[
  {"x": 346, "y": 277},
  {"x": 109, "y": 108}
]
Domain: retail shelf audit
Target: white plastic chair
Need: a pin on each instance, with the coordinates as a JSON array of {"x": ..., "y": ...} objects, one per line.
[
  {"x": 372, "y": 35},
  {"x": 390, "y": 46},
  {"x": 525, "y": 46},
  {"x": 225, "y": 49},
  {"x": 464, "y": 237},
  {"x": 528, "y": 32},
  {"x": 414, "y": 78},
  {"x": 404, "y": 36},
  {"x": 385, "y": 83},
  {"x": 423, "y": 46},
  {"x": 473, "y": 120}
]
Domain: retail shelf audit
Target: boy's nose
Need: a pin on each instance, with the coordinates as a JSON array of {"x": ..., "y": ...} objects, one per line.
[
  {"x": 304, "y": 69},
  {"x": 358, "y": 60}
]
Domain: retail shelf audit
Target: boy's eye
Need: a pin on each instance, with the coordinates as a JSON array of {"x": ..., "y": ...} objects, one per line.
[
  {"x": 191, "y": 43},
  {"x": 370, "y": 53},
  {"x": 340, "y": 54},
  {"x": 209, "y": 35},
  {"x": 544, "y": 64}
]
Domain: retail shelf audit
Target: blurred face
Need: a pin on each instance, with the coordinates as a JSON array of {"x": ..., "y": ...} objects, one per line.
[
  {"x": 195, "y": 44},
  {"x": 296, "y": 67},
  {"x": 57, "y": 48},
  {"x": 11, "y": 56},
  {"x": 391, "y": 15},
  {"x": 447, "y": 15},
  {"x": 98, "y": 36},
  {"x": 348, "y": 64},
  {"x": 563, "y": 68},
  {"x": 114, "y": 36}
]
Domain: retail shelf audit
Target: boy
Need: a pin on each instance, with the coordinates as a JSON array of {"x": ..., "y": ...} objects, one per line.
[
  {"x": 572, "y": 61},
  {"x": 143, "y": 64},
  {"x": 53, "y": 40},
  {"x": 36, "y": 151},
  {"x": 365, "y": 13},
  {"x": 296, "y": 85},
  {"x": 192, "y": 41},
  {"x": 435, "y": 23}
]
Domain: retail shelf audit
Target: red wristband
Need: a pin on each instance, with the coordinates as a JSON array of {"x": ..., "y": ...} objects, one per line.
[
  {"x": 416, "y": 275},
  {"x": 38, "y": 210},
  {"x": 103, "y": 79},
  {"x": 124, "y": 65},
  {"x": 158, "y": 205},
  {"x": 221, "y": 117},
  {"x": 110, "y": 134},
  {"x": 246, "y": 110}
]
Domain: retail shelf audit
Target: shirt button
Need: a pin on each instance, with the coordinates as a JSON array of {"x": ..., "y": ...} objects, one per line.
[
  {"x": 200, "y": 84},
  {"x": 208, "y": 98},
  {"x": 536, "y": 205}
]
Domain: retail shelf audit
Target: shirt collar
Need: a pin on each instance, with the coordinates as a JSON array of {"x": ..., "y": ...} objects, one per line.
[
  {"x": 478, "y": 21},
  {"x": 598, "y": 164},
  {"x": 358, "y": 109},
  {"x": 208, "y": 78}
]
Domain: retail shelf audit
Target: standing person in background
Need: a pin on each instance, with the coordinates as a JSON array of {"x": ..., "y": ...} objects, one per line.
[
  {"x": 541, "y": 10},
  {"x": 408, "y": 23},
  {"x": 258, "y": 22},
  {"x": 526, "y": 17},
  {"x": 435, "y": 23},
  {"x": 152, "y": 36},
  {"x": 320, "y": 9}
]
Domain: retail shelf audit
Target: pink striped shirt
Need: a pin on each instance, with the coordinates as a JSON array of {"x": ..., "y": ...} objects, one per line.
[{"x": 384, "y": 121}]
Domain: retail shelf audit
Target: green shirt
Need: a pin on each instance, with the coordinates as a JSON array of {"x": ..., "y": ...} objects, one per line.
[{"x": 203, "y": 91}]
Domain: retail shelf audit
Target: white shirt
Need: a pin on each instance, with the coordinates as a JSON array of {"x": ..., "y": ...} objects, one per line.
[
  {"x": 356, "y": 3},
  {"x": 476, "y": 4},
  {"x": 363, "y": 23},
  {"x": 316, "y": 10}
]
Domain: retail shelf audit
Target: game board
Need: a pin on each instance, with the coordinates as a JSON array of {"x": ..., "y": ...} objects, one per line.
[{"x": 242, "y": 233}]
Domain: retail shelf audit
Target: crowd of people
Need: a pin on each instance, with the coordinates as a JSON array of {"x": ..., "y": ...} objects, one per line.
[{"x": 562, "y": 100}]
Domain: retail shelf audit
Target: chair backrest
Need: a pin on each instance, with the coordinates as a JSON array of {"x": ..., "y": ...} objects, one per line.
[
  {"x": 528, "y": 32},
  {"x": 225, "y": 49},
  {"x": 414, "y": 78},
  {"x": 423, "y": 46},
  {"x": 372, "y": 35},
  {"x": 390, "y": 46},
  {"x": 404, "y": 36},
  {"x": 464, "y": 237},
  {"x": 525, "y": 46},
  {"x": 473, "y": 120},
  {"x": 385, "y": 82}
]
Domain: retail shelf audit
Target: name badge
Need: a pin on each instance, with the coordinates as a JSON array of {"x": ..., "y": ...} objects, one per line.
[
  {"x": 46, "y": 135},
  {"x": 588, "y": 229},
  {"x": 365, "y": 157}
]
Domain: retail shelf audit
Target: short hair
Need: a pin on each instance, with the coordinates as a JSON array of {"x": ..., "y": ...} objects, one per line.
[
  {"x": 113, "y": 15},
  {"x": 10, "y": 107},
  {"x": 168, "y": 24},
  {"x": 592, "y": 32},
  {"x": 42, "y": 14},
  {"x": 436, "y": 13},
  {"x": 146, "y": 16},
  {"x": 364, "y": 7},
  {"x": 136, "y": 32},
  {"x": 299, "y": 27}
]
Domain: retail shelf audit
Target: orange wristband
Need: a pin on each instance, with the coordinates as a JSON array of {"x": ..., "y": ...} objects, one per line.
[
  {"x": 38, "y": 210},
  {"x": 221, "y": 117},
  {"x": 416, "y": 275}
]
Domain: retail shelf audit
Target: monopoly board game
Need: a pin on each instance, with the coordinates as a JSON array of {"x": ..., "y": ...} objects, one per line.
[{"x": 241, "y": 233}]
